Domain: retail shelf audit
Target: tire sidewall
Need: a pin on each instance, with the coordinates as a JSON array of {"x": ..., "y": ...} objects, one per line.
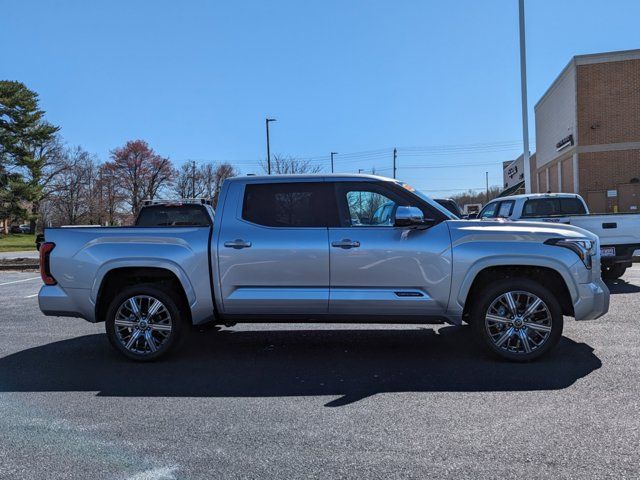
[
  {"x": 493, "y": 291},
  {"x": 613, "y": 272},
  {"x": 177, "y": 322}
]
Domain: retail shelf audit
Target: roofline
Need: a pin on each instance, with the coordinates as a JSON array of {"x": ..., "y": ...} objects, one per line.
[
  {"x": 537, "y": 195},
  {"x": 310, "y": 176},
  {"x": 554, "y": 84},
  {"x": 587, "y": 59}
]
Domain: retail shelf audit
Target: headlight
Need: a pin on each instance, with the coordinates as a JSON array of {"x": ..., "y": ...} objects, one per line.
[{"x": 583, "y": 247}]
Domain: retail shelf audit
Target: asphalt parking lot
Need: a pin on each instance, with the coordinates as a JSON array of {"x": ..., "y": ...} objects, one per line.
[{"x": 282, "y": 401}]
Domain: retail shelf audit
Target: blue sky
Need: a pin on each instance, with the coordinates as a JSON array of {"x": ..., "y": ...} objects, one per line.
[{"x": 197, "y": 78}]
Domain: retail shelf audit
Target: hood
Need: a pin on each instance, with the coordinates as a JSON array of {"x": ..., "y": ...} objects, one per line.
[{"x": 522, "y": 231}]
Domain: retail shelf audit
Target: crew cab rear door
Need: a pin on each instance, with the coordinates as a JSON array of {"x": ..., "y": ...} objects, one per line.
[
  {"x": 273, "y": 248},
  {"x": 380, "y": 269}
]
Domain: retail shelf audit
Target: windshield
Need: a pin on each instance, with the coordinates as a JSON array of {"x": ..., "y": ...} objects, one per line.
[{"x": 428, "y": 199}]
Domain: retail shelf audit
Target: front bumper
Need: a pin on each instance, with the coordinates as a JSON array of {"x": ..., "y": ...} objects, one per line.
[
  {"x": 593, "y": 300},
  {"x": 56, "y": 301}
]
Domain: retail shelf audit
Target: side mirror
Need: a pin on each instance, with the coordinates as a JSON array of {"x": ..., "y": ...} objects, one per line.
[{"x": 410, "y": 217}]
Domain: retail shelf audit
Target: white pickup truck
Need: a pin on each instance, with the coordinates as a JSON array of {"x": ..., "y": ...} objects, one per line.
[{"x": 619, "y": 233}]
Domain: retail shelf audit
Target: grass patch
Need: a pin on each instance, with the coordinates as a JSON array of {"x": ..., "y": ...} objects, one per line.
[{"x": 17, "y": 242}]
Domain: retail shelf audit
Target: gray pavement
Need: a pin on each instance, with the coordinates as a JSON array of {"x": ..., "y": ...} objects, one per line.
[
  {"x": 23, "y": 254},
  {"x": 301, "y": 401}
]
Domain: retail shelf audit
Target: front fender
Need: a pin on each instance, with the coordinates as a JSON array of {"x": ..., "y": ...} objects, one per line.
[
  {"x": 513, "y": 261},
  {"x": 474, "y": 255}
]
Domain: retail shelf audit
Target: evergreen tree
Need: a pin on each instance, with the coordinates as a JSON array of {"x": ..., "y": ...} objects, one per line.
[{"x": 27, "y": 144}]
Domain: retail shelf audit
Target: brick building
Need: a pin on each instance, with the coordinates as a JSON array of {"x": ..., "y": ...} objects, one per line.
[{"x": 588, "y": 132}]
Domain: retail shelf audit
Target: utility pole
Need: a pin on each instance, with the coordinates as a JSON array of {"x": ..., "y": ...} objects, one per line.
[
  {"x": 523, "y": 89},
  {"x": 395, "y": 156},
  {"x": 486, "y": 176},
  {"x": 266, "y": 122},
  {"x": 332, "y": 154},
  {"x": 193, "y": 179}
]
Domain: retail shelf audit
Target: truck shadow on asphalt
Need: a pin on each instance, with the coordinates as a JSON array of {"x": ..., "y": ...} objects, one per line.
[
  {"x": 352, "y": 364},
  {"x": 621, "y": 286}
]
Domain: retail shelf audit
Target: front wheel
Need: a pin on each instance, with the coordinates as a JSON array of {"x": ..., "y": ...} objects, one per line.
[
  {"x": 144, "y": 322},
  {"x": 613, "y": 272},
  {"x": 518, "y": 319}
]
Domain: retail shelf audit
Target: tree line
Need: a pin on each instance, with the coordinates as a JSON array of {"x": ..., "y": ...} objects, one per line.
[{"x": 46, "y": 182}]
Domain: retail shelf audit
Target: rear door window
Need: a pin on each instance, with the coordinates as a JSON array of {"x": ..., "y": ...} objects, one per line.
[
  {"x": 506, "y": 209},
  {"x": 290, "y": 205}
]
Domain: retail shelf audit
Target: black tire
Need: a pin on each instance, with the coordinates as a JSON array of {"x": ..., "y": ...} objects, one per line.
[
  {"x": 613, "y": 272},
  {"x": 488, "y": 332},
  {"x": 166, "y": 343}
]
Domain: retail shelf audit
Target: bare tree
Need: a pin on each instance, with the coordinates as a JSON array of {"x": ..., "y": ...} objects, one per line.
[
  {"x": 141, "y": 172},
  {"x": 188, "y": 181},
  {"x": 290, "y": 165},
  {"x": 476, "y": 196},
  {"x": 70, "y": 196},
  {"x": 203, "y": 181},
  {"x": 111, "y": 196},
  {"x": 213, "y": 177}
]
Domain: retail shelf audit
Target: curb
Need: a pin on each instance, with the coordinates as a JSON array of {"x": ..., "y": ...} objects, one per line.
[{"x": 19, "y": 266}]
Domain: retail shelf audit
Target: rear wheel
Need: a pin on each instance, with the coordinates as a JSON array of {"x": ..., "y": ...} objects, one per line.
[
  {"x": 517, "y": 319},
  {"x": 144, "y": 322},
  {"x": 613, "y": 272}
]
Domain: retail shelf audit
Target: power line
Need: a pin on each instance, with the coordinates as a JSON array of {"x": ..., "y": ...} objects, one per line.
[{"x": 384, "y": 153}]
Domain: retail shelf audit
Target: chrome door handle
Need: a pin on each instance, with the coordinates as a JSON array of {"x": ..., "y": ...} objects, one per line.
[
  {"x": 346, "y": 243},
  {"x": 238, "y": 243}
]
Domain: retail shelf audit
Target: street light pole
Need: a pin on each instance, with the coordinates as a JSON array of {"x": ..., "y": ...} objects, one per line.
[
  {"x": 523, "y": 89},
  {"x": 486, "y": 176},
  {"x": 332, "y": 154},
  {"x": 266, "y": 122},
  {"x": 395, "y": 156}
]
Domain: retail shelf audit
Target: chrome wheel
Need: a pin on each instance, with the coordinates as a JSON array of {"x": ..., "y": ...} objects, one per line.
[
  {"x": 518, "y": 322},
  {"x": 142, "y": 324}
]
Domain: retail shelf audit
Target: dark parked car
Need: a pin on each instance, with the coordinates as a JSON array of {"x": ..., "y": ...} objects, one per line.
[
  {"x": 23, "y": 228},
  {"x": 450, "y": 205}
]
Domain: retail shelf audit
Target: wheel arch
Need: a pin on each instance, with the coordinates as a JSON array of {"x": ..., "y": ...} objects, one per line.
[
  {"x": 546, "y": 276},
  {"x": 115, "y": 279}
]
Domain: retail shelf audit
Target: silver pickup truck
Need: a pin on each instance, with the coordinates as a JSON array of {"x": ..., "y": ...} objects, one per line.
[{"x": 325, "y": 248}]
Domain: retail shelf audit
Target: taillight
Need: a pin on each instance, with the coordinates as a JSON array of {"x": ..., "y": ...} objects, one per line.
[{"x": 45, "y": 273}]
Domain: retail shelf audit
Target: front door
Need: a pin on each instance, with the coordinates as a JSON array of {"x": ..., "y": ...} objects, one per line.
[
  {"x": 273, "y": 248},
  {"x": 380, "y": 269}
]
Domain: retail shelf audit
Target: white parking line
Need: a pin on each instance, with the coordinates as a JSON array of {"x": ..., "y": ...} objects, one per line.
[
  {"x": 31, "y": 296},
  {"x": 18, "y": 281}
]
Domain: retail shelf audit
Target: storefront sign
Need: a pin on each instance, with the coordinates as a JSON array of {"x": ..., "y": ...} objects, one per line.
[{"x": 564, "y": 143}]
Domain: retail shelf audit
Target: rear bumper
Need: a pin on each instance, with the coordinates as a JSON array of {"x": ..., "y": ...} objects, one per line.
[
  {"x": 56, "y": 301},
  {"x": 593, "y": 300}
]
